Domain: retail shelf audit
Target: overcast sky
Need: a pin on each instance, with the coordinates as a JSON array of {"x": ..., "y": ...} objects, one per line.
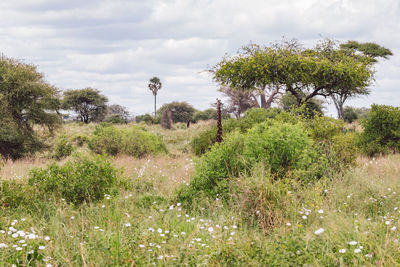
[{"x": 116, "y": 46}]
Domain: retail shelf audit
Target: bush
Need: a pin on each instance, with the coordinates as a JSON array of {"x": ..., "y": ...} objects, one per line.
[
  {"x": 203, "y": 142},
  {"x": 80, "y": 139},
  {"x": 80, "y": 180},
  {"x": 381, "y": 130},
  {"x": 63, "y": 148},
  {"x": 282, "y": 149},
  {"x": 133, "y": 141},
  {"x": 208, "y": 114},
  {"x": 349, "y": 114},
  {"x": 147, "y": 118},
  {"x": 115, "y": 119},
  {"x": 181, "y": 111},
  {"x": 12, "y": 194}
]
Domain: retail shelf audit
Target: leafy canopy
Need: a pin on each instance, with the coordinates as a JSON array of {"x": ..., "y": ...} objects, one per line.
[
  {"x": 88, "y": 103},
  {"x": 26, "y": 100},
  {"x": 305, "y": 73}
]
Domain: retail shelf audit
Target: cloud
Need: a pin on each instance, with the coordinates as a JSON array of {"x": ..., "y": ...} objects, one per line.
[{"x": 117, "y": 45}]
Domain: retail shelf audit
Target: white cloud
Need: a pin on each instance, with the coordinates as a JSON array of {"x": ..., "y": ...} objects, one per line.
[{"x": 117, "y": 45}]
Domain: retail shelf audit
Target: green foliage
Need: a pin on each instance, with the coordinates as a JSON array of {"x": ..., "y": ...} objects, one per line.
[
  {"x": 80, "y": 139},
  {"x": 82, "y": 179},
  {"x": 12, "y": 194},
  {"x": 312, "y": 106},
  {"x": 381, "y": 130},
  {"x": 256, "y": 115},
  {"x": 181, "y": 111},
  {"x": 349, "y": 114},
  {"x": 287, "y": 145},
  {"x": 282, "y": 149},
  {"x": 26, "y": 102},
  {"x": 117, "y": 114},
  {"x": 63, "y": 147},
  {"x": 208, "y": 114},
  {"x": 203, "y": 142},
  {"x": 133, "y": 141},
  {"x": 370, "y": 49},
  {"x": 88, "y": 103},
  {"x": 324, "y": 70},
  {"x": 115, "y": 119},
  {"x": 147, "y": 118}
]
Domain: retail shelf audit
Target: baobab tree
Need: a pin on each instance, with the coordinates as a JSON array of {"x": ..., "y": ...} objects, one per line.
[{"x": 154, "y": 86}]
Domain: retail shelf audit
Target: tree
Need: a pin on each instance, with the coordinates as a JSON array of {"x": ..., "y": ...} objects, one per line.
[
  {"x": 205, "y": 115},
  {"x": 372, "y": 50},
  {"x": 366, "y": 54},
  {"x": 239, "y": 100},
  {"x": 26, "y": 102},
  {"x": 257, "y": 69},
  {"x": 288, "y": 102},
  {"x": 324, "y": 70},
  {"x": 349, "y": 114},
  {"x": 181, "y": 111},
  {"x": 154, "y": 86},
  {"x": 88, "y": 103},
  {"x": 117, "y": 113}
]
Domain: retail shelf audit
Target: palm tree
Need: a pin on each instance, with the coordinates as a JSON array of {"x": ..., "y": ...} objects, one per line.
[{"x": 154, "y": 86}]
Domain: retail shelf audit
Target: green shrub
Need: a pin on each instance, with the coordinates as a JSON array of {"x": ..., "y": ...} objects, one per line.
[
  {"x": 181, "y": 111},
  {"x": 147, "y": 118},
  {"x": 63, "y": 148},
  {"x": 203, "y": 142},
  {"x": 133, "y": 141},
  {"x": 115, "y": 119},
  {"x": 12, "y": 194},
  {"x": 349, "y": 114},
  {"x": 80, "y": 139},
  {"x": 82, "y": 179},
  {"x": 282, "y": 149},
  {"x": 207, "y": 114},
  {"x": 381, "y": 130}
]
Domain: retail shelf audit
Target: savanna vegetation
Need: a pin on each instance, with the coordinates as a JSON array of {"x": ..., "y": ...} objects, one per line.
[{"x": 287, "y": 186}]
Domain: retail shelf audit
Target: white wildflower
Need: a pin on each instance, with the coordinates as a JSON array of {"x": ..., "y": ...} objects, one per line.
[{"x": 319, "y": 231}]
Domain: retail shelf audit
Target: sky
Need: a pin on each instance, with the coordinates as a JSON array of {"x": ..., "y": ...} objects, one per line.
[{"x": 116, "y": 46}]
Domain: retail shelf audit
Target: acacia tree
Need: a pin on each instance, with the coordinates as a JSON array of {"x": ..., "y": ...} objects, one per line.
[
  {"x": 323, "y": 71},
  {"x": 239, "y": 100},
  {"x": 26, "y": 100},
  {"x": 154, "y": 86},
  {"x": 117, "y": 113},
  {"x": 180, "y": 111},
  {"x": 88, "y": 103},
  {"x": 366, "y": 54},
  {"x": 257, "y": 69}
]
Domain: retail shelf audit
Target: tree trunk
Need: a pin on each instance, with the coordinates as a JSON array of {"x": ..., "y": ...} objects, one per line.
[
  {"x": 218, "y": 138},
  {"x": 263, "y": 100},
  {"x": 271, "y": 98},
  {"x": 155, "y": 102},
  {"x": 339, "y": 103}
]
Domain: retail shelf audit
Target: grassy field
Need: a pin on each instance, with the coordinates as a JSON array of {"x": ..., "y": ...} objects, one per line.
[{"x": 351, "y": 220}]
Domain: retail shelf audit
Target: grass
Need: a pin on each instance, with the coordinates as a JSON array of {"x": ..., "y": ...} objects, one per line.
[{"x": 144, "y": 226}]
